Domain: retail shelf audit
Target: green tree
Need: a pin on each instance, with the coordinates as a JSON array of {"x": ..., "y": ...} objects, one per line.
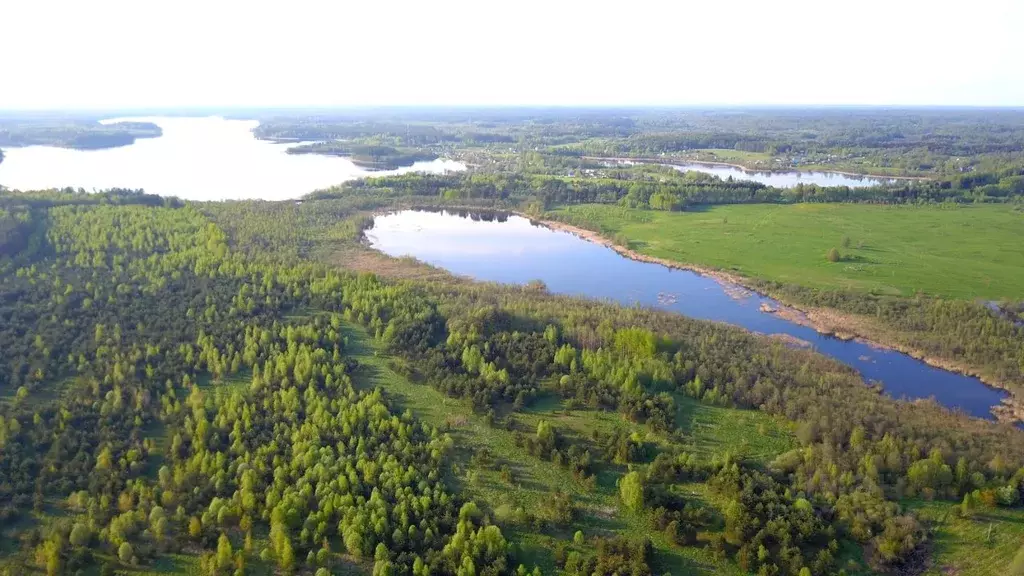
[
  {"x": 224, "y": 552},
  {"x": 287, "y": 557},
  {"x": 631, "y": 490},
  {"x": 48, "y": 555},
  {"x": 80, "y": 535},
  {"x": 125, "y": 553},
  {"x": 967, "y": 506}
]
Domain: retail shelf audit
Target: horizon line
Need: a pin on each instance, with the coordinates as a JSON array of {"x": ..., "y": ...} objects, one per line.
[{"x": 435, "y": 106}]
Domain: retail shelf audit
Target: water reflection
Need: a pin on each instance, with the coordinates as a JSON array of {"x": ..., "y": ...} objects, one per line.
[
  {"x": 514, "y": 250},
  {"x": 196, "y": 158},
  {"x": 788, "y": 179}
]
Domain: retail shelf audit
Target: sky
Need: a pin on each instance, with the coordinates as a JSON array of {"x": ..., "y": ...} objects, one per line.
[{"x": 114, "y": 54}]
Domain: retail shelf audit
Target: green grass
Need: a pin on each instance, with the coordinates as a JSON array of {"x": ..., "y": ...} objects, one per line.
[
  {"x": 709, "y": 429},
  {"x": 45, "y": 392},
  {"x": 964, "y": 546},
  {"x": 752, "y": 436},
  {"x": 966, "y": 252},
  {"x": 738, "y": 156},
  {"x": 227, "y": 384}
]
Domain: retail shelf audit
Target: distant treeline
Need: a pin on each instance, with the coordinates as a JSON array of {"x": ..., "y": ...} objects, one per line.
[
  {"x": 670, "y": 194},
  {"x": 944, "y": 143},
  {"x": 400, "y": 133},
  {"x": 74, "y": 134}
]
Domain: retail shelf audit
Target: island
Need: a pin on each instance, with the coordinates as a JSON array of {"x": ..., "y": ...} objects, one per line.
[
  {"x": 369, "y": 156},
  {"x": 78, "y": 134}
]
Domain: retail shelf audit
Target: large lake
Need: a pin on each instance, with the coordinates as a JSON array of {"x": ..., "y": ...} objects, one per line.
[
  {"x": 196, "y": 158},
  {"x": 512, "y": 249}
]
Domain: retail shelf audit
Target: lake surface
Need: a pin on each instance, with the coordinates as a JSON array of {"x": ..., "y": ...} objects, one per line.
[
  {"x": 514, "y": 250},
  {"x": 781, "y": 179},
  {"x": 196, "y": 158}
]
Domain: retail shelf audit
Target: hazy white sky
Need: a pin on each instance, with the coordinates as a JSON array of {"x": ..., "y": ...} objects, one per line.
[{"x": 140, "y": 53}]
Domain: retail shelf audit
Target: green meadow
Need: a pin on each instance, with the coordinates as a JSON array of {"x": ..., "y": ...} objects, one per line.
[{"x": 972, "y": 251}]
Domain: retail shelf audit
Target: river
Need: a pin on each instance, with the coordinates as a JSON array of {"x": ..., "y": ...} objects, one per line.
[
  {"x": 514, "y": 250},
  {"x": 207, "y": 158}
]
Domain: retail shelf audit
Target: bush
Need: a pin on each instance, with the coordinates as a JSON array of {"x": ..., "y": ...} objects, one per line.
[{"x": 834, "y": 256}]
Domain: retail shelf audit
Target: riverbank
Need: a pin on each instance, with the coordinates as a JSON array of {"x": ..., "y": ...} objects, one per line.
[
  {"x": 825, "y": 321},
  {"x": 684, "y": 162}
]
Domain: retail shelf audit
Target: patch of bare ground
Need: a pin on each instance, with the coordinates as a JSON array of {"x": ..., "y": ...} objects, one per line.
[
  {"x": 359, "y": 258},
  {"x": 1010, "y": 411}
]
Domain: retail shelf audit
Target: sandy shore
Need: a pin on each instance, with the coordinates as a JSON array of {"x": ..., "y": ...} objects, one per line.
[{"x": 823, "y": 320}]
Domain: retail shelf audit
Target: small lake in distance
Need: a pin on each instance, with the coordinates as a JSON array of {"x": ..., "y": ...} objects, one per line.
[
  {"x": 196, "y": 158},
  {"x": 514, "y": 250},
  {"x": 788, "y": 179}
]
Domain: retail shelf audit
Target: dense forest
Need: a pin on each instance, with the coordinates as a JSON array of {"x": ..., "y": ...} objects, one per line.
[{"x": 185, "y": 381}]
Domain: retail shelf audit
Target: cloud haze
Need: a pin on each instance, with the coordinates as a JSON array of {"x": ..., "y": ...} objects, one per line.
[{"x": 117, "y": 54}]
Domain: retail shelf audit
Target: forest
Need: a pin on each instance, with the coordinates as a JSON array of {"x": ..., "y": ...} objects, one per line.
[
  {"x": 370, "y": 156},
  {"x": 943, "y": 144},
  {"x": 215, "y": 388},
  {"x": 77, "y": 133}
]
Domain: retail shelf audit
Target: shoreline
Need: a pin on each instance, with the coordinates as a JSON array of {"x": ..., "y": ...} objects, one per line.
[
  {"x": 824, "y": 321},
  {"x": 678, "y": 162}
]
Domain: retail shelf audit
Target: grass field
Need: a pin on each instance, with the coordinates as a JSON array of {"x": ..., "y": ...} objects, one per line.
[
  {"x": 964, "y": 252},
  {"x": 978, "y": 546},
  {"x": 737, "y": 156}
]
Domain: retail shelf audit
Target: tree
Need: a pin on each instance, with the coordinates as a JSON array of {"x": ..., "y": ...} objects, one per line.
[
  {"x": 287, "y": 559},
  {"x": 577, "y": 538},
  {"x": 631, "y": 490},
  {"x": 80, "y": 535},
  {"x": 125, "y": 553},
  {"x": 834, "y": 255},
  {"x": 48, "y": 554},
  {"x": 967, "y": 506},
  {"x": 224, "y": 552}
]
